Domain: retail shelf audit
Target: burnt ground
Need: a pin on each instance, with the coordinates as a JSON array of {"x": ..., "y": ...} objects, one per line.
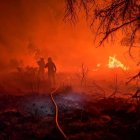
[{"x": 32, "y": 117}]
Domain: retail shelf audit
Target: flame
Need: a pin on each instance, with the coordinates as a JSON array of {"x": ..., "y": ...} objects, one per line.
[{"x": 114, "y": 63}]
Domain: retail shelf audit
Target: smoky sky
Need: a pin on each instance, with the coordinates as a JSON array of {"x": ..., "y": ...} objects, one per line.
[
  {"x": 30, "y": 29},
  {"x": 22, "y": 18},
  {"x": 27, "y": 21}
]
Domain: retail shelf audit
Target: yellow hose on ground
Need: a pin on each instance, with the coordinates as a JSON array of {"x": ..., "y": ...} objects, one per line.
[{"x": 56, "y": 114}]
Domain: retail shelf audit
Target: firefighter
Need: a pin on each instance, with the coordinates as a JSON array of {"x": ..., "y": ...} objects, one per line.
[
  {"x": 51, "y": 71},
  {"x": 41, "y": 69}
]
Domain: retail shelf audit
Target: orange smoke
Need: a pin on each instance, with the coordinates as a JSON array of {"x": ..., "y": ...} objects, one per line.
[{"x": 36, "y": 29}]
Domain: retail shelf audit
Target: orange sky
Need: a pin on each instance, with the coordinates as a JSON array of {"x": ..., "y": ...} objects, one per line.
[{"x": 40, "y": 24}]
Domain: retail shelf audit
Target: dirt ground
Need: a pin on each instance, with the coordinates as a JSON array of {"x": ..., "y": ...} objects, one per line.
[{"x": 32, "y": 117}]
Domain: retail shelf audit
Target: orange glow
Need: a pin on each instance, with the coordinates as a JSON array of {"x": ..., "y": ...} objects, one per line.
[{"x": 36, "y": 29}]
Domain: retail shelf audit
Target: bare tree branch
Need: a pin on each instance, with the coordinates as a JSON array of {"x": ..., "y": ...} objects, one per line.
[{"x": 109, "y": 16}]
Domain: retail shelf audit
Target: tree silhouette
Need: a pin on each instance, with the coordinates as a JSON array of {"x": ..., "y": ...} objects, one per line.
[{"x": 110, "y": 16}]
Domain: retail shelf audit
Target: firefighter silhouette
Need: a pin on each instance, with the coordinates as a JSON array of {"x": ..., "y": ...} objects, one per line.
[
  {"x": 51, "y": 71},
  {"x": 41, "y": 69}
]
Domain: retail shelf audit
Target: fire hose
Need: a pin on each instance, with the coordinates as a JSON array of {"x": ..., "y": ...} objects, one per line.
[{"x": 56, "y": 114}]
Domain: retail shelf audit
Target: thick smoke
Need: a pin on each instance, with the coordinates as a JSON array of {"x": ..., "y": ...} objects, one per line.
[{"x": 30, "y": 29}]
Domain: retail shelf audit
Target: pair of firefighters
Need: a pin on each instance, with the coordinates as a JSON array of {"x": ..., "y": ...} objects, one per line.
[{"x": 50, "y": 65}]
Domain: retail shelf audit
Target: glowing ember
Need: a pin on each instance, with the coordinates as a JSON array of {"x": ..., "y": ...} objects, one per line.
[
  {"x": 114, "y": 63},
  {"x": 97, "y": 67}
]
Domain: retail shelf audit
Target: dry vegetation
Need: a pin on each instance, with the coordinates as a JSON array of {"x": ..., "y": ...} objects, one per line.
[{"x": 32, "y": 116}]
